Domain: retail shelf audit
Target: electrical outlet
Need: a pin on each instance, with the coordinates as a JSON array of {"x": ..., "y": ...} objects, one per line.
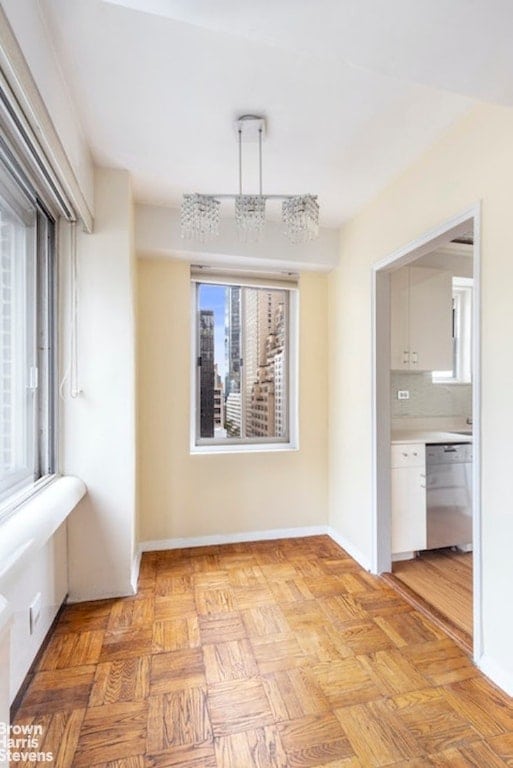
[
  {"x": 34, "y": 612},
  {"x": 403, "y": 394}
]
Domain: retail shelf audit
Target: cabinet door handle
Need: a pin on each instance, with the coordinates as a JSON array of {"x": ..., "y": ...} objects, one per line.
[
  {"x": 415, "y": 358},
  {"x": 406, "y": 356},
  {"x": 405, "y": 454},
  {"x": 422, "y": 485}
]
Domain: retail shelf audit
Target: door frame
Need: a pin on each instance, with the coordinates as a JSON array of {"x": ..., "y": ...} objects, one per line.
[{"x": 381, "y": 558}]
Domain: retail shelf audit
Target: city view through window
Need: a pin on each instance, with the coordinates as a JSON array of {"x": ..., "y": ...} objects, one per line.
[{"x": 242, "y": 362}]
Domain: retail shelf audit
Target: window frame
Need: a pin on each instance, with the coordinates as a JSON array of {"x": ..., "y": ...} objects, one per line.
[
  {"x": 41, "y": 363},
  {"x": 290, "y": 442},
  {"x": 462, "y": 297}
]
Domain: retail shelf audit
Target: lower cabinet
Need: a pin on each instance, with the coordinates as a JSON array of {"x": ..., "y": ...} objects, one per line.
[{"x": 408, "y": 485}]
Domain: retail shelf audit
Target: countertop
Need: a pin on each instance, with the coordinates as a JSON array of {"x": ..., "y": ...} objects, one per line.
[{"x": 427, "y": 436}]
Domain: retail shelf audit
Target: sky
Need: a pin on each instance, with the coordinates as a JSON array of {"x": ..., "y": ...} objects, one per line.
[{"x": 214, "y": 297}]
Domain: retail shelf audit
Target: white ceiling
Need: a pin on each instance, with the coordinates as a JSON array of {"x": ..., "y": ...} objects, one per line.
[{"x": 353, "y": 90}]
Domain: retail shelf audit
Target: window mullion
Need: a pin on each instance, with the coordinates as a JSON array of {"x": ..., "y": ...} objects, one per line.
[
  {"x": 197, "y": 367},
  {"x": 242, "y": 347}
]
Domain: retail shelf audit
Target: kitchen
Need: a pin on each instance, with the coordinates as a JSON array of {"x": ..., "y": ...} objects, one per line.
[{"x": 431, "y": 434}]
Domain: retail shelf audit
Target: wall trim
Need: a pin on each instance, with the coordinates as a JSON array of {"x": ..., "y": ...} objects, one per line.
[
  {"x": 497, "y": 674},
  {"x": 248, "y": 536},
  {"x": 136, "y": 565},
  {"x": 99, "y": 594},
  {"x": 348, "y": 547},
  {"x": 233, "y": 538}
]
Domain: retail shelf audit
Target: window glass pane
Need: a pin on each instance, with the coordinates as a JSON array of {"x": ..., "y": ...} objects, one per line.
[
  {"x": 265, "y": 362},
  {"x": 17, "y": 342},
  {"x": 242, "y": 367},
  {"x": 233, "y": 355},
  {"x": 213, "y": 355}
]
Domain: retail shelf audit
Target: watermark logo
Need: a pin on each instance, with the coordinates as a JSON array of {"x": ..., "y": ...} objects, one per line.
[{"x": 22, "y": 744}]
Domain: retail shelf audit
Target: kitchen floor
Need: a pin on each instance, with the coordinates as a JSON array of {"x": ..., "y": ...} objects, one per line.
[
  {"x": 280, "y": 654},
  {"x": 443, "y": 578}
]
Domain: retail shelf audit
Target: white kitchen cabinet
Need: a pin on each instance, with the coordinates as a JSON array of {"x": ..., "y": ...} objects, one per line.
[
  {"x": 408, "y": 486},
  {"x": 421, "y": 319}
]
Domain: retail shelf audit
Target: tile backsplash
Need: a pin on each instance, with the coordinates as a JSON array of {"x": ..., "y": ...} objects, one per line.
[{"x": 428, "y": 399}]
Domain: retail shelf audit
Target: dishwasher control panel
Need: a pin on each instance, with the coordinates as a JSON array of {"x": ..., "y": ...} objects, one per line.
[{"x": 448, "y": 453}]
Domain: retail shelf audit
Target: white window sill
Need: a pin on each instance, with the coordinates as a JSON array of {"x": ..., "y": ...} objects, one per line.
[
  {"x": 5, "y": 617},
  {"x": 452, "y": 382},
  {"x": 244, "y": 448},
  {"x": 32, "y": 524}
]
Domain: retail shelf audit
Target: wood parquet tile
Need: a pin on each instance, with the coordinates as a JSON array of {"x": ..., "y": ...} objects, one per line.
[
  {"x": 122, "y": 680},
  {"x": 122, "y": 643},
  {"x": 112, "y": 732},
  {"x": 178, "y": 719},
  {"x": 73, "y": 649},
  {"x": 233, "y": 660},
  {"x": 176, "y": 670},
  {"x": 238, "y": 705},
  {"x": 176, "y": 634},
  {"x": 281, "y": 654},
  {"x": 309, "y": 740},
  {"x": 70, "y": 688}
]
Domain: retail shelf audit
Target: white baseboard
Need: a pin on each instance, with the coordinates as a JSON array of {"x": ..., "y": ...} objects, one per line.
[
  {"x": 273, "y": 533},
  {"x": 400, "y": 556},
  {"x": 233, "y": 538},
  {"x": 496, "y": 673},
  {"x": 348, "y": 547},
  {"x": 99, "y": 594},
  {"x": 136, "y": 564}
]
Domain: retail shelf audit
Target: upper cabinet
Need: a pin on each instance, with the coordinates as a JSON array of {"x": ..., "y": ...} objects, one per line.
[{"x": 421, "y": 319}]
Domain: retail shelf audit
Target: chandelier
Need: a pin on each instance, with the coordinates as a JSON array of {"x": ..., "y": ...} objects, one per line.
[{"x": 200, "y": 214}]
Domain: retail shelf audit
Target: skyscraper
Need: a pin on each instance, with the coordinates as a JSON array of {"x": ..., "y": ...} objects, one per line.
[
  {"x": 218, "y": 402},
  {"x": 264, "y": 364},
  {"x": 232, "y": 339},
  {"x": 233, "y": 415},
  {"x": 207, "y": 377}
]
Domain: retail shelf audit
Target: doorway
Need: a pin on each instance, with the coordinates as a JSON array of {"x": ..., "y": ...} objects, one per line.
[{"x": 430, "y": 243}]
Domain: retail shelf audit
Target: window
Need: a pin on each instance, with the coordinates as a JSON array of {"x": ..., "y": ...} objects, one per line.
[
  {"x": 461, "y": 372},
  {"x": 26, "y": 338},
  {"x": 243, "y": 364}
]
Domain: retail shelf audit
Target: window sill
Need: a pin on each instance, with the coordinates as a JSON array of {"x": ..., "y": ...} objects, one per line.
[
  {"x": 34, "y": 521},
  {"x": 199, "y": 450},
  {"x": 452, "y": 382}
]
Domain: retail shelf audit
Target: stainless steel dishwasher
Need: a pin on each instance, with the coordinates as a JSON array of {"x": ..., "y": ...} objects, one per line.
[{"x": 449, "y": 495}]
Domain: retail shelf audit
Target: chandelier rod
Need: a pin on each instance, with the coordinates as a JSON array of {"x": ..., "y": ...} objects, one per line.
[
  {"x": 260, "y": 158},
  {"x": 240, "y": 162}
]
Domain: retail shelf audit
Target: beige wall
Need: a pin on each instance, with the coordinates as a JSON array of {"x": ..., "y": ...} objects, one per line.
[
  {"x": 184, "y": 495},
  {"x": 472, "y": 162}
]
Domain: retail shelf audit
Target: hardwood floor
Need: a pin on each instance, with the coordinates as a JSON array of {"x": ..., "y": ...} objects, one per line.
[
  {"x": 281, "y": 654},
  {"x": 443, "y": 578}
]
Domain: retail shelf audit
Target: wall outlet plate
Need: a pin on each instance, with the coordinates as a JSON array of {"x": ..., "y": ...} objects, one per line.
[{"x": 403, "y": 394}]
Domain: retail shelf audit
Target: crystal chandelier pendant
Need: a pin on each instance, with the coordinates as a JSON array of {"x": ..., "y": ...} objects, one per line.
[
  {"x": 250, "y": 216},
  {"x": 300, "y": 215},
  {"x": 199, "y": 218},
  {"x": 200, "y": 213}
]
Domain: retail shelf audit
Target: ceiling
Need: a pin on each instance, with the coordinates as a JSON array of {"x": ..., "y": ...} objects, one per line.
[{"x": 353, "y": 90}]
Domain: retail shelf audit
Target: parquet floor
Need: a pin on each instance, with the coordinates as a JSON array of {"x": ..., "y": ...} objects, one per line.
[{"x": 281, "y": 654}]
